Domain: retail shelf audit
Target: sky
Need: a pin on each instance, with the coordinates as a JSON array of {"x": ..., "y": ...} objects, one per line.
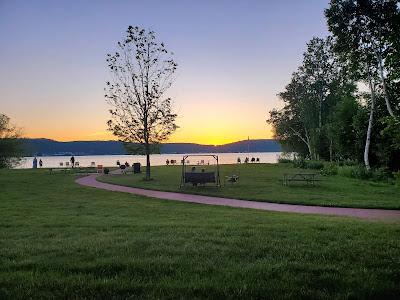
[{"x": 233, "y": 58}]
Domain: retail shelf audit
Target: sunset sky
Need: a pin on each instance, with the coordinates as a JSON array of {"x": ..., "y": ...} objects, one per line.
[{"x": 233, "y": 56}]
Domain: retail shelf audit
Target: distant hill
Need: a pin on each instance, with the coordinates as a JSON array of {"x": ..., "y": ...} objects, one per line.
[{"x": 47, "y": 147}]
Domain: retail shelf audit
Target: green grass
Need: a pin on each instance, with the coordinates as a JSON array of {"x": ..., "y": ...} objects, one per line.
[
  {"x": 262, "y": 182},
  {"x": 61, "y": 240}
]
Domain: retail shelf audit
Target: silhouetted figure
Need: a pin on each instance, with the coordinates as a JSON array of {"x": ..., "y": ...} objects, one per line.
[
  {"x": 126, "y": 164},
  {"x": 118, "y": 163},
  {"x": 72, "y": 159},
  {"x": 253, "y": 160},
  {"x": 258, "y": 159},
  {"x": 193, "y": 169},
  {"x": 167, "y": 162},
  {"x": 239, "y": 160},
  {"x": 34, "y": 164},
  {"x": 246, "y": 160},
  {"x": 40, "y": 163}
]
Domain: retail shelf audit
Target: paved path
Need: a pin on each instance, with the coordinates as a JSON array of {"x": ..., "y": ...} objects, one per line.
[{"x": 363, "y": 213}]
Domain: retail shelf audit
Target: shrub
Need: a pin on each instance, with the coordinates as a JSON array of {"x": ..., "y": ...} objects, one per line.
[
  {"x": 308, "y": 164},
  {"x": 285, "y": 158},
  {"x": 299, "y": 163},
  {"x": 397, "y": 178},
  {"x": 106, "y": 170},
  {"x": 347, "y": 162},
  {"x": 361, "y": 172},
  {"x": 329, "y": 169},
  {"x": 382, "y": 174},
  {"x": 345, "y": 171},
  {"x": 314, "y": 164}
]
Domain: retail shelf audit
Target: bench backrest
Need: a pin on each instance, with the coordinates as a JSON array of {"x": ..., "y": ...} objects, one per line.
[{"x": 200, "y": 177}]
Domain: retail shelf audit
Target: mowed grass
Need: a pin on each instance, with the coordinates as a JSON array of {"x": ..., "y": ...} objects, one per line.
[
  {"x": 263, "y": 182},
  {"x": 64, "y": 241}
]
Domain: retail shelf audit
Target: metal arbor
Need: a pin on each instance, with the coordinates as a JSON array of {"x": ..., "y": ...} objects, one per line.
[{"x": 200, "y": 177}]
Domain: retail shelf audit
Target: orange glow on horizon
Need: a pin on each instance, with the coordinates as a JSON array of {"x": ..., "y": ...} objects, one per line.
[
  {"x": 200, "y": 136},
  {"x": 209, "y": 127}
]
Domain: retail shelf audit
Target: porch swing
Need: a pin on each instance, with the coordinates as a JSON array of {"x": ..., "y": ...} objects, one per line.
[{"x": 196, "y": 177}]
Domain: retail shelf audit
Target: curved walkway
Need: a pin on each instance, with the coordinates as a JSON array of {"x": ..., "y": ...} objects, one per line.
[{"x": 363, "y": 213}]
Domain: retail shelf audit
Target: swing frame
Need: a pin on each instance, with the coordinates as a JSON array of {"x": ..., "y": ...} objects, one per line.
[{"x": 184, "y": 176}]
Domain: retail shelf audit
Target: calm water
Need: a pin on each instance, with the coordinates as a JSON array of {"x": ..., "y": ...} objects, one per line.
[{"x": 156, "y": 159}]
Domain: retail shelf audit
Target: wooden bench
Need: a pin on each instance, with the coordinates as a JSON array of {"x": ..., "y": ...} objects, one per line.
[
  {"x": 199, "y": 177},
  {"x": 309, "y": 178}
]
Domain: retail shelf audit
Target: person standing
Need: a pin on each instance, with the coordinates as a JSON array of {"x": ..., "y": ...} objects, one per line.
[
  {"x": 40, "y": 163},
  {"x": 72, "y": 161},
  {"x": 34, "y": 163}
]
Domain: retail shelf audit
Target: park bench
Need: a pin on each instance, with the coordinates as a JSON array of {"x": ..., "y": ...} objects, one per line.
[
  {"x": 309, "y": 178},
  {"x": 199, "y": 177}
]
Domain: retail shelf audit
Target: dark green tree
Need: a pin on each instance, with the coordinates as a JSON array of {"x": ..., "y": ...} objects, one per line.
[
  {"x": 368, "y": 28},
  {"x": 314, "y": 90},
  {"x": 142, "y": 71},
  {"x": 11, "y": 147},
  {"x": 364, "y": 32}
]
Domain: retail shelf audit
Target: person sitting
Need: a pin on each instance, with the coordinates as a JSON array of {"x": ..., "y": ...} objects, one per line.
[
  {"x": 246, "y": 160},
  {"x": 123, "y": 168},
  {"x": 167, "y": 162},
  {"x": 258, "y": 159},
  {"x": 118, "y": 163},
  {"x": 253, "y": 160},
  {"x": 239, "y": 160},
  {"x": 126, "y": 164}
]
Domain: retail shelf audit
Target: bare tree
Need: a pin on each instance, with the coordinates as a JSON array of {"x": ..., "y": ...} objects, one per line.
[{"x": 142, "y": 71}]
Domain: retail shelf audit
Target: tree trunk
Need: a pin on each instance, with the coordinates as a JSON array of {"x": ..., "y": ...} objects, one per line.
[
  {"x": 330, "y": 150},
  {"x": 320, "y": 113},
  {"x": 308, "y": 143},
  {"x": 388, "y": 106},
  {"x": 147, "y": 150},
  {"x": 369, "y": 130}
]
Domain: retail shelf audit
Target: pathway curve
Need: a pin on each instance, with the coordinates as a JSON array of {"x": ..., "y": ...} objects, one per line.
[{"x": 363, "y": 213}]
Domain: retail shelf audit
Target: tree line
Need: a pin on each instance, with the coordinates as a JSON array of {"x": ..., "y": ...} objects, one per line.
[{"x": 342, "y": 103}]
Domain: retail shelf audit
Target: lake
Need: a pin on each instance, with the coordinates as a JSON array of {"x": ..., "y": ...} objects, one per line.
[{"x": 156, "y": 159}]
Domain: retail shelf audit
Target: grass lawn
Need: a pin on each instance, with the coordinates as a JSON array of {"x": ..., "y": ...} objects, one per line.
[
  {"x": 262, "y": 182},
  {"x": 61, "y": 240}
]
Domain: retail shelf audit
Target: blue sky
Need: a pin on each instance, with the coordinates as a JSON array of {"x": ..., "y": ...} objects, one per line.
[{"x": 233, "y": 56}]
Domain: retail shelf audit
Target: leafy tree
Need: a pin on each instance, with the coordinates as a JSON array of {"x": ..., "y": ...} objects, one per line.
[
  {"x": 367, "y": 28},
  {"x": 340, "y": 128},
  {"x": 309, "y": 98},
  {"x": 11, "y": 149},
  {"x": 364, "y": 36},
  {"x": 142, "y": 71}
]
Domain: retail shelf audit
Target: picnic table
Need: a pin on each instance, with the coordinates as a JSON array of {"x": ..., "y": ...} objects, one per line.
[{"x": 309, "y": 178}]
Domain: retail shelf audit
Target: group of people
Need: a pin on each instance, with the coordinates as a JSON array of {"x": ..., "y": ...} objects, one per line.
[
  {"x": 247, "y": 160},
  {"x": 194, "y": 170},
  {"x": 35, "y": 163},
  {"x": 172, "y": 162},
  {"x": 123, "y": 166}
]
